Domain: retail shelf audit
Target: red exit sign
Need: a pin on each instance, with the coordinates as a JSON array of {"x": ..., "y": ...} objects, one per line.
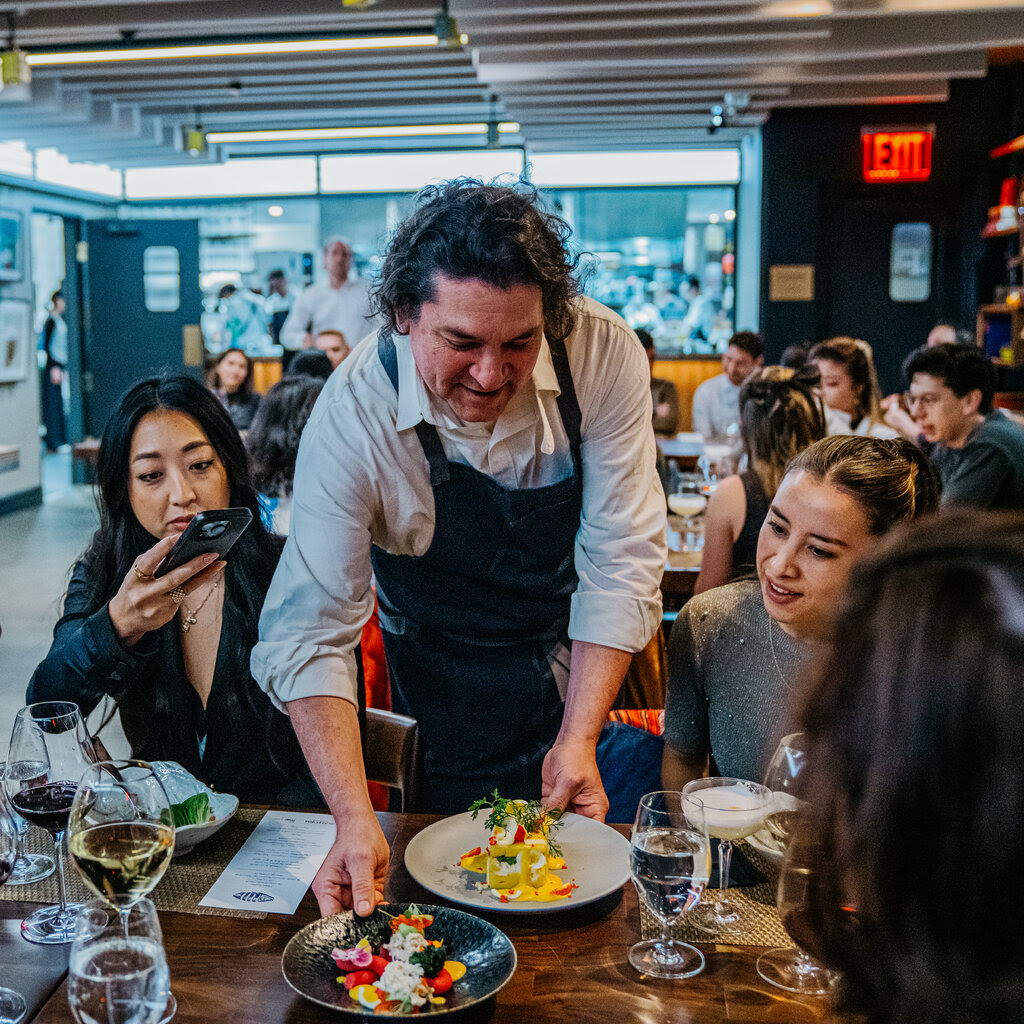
[{"x": 897, "y": 154}]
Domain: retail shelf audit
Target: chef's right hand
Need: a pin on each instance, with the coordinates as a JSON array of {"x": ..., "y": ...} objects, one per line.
[
  {"x": 353, "y": 874},
  {"x": 143, "y": 603}
]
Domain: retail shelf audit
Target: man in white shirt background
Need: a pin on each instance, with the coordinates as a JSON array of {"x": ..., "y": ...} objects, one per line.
[
  {"x": 340, "y": 303},
  {"x": 716, "y": 403},
  {"x": 490, "y": 462}
]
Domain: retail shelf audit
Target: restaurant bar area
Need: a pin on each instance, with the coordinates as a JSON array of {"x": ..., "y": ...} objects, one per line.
[{"x": 511, "y": 511}]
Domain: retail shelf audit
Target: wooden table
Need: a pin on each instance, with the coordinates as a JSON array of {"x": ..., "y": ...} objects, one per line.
[{"x": 572, "y": 966}]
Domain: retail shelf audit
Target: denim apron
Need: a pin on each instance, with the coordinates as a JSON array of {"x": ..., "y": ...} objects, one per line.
[{"x": 470, "y": 626}]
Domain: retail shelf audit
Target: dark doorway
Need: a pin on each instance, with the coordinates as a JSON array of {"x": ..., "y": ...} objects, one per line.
[
  {"x": 858, "y": 289},
  {"x": 143, "y": 304}
]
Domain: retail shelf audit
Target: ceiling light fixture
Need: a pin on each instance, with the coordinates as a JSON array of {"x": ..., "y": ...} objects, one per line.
[
  {"x": 195, "y": 138},
  {"x": 377, "y": 132},
  {"x": 234, "y": 49},
  {"x": 14, "y": 70},
  {"x": 446, "y": 28}
]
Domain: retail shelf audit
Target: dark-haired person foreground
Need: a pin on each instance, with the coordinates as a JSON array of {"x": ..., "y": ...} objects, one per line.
[
  {"x": 490, "y": 461},
  {"x": 736, "y": 653},
  {"x": 174, "y": 651},
  {"x": 780, "y": 415},
  {"x": 978, "y": 451},
  {"x": 914, "y": 781}
]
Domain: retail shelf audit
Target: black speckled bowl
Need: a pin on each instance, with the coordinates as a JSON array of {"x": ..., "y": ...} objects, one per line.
[{"x": 489, "y": 956}]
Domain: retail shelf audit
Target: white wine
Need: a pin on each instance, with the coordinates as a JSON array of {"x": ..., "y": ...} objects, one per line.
[
  {"x": 687, "y": 505},
  {"x": 120, "y": 981},
  {"x": 730, "y": 812},
  {"x": 124, "y": 860}
]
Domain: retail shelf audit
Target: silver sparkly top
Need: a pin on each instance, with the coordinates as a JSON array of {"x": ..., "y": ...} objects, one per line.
[{"x": 726, "y": 687}]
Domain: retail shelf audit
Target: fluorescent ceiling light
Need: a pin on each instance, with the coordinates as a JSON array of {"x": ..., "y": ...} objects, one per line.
[
  {"x": 797, "y": 9},
  {"x": 121, "y": 54},
  {"x": 378, "y": 132}
]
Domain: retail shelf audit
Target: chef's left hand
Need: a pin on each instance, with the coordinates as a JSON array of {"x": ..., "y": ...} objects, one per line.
[{"x": 570, "y": 779}]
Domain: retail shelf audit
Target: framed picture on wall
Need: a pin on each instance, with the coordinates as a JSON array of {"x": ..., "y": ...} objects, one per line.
[
  {"x": 10, "y": 254},
  {"x": 16, "y": 348}
]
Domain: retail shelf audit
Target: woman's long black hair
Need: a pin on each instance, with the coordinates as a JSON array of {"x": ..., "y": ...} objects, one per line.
[{"x": 120, "y": 538}]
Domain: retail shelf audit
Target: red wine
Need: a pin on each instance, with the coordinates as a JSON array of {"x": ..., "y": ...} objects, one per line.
[
  {"x": 48, "y": 806},
  {"x": 6, "y": 867}
]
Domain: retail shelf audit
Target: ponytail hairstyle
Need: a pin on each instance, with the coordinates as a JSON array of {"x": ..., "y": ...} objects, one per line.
[
  {"x": 893, "y": 481},
  {"x": 858, "y": 359},
  {"x": 780, "y": 415}
]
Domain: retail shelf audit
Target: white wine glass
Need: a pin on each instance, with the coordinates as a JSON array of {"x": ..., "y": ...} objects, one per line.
[
  {"x": 12, "y": 1005},
  {"x": 785, "y": 967},
  {"x": 28, "y": 867},
  {"x": 670, "y": 861},
  {"x": 120, "y": 831},
  {"x": 117, "y": 971},
  {"x": 49, "y": 751},
  {"x": 733, "y": 809}
]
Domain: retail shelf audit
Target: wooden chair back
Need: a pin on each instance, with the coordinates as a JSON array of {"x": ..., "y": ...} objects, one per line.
[{"x": 392, "y": 754}]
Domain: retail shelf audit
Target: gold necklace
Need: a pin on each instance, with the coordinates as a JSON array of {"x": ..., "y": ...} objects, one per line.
[
  {"x": 190, "y": 617},
  {"x": 771, "y": 644}
]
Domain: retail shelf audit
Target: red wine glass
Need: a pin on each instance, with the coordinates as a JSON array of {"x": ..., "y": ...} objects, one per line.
[{"x": 50, "y": 749}]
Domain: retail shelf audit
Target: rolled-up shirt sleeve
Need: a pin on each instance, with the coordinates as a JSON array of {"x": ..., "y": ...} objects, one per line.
[
  {"x": 321, "y": 594},
  {"x": 620, "y": 548}
]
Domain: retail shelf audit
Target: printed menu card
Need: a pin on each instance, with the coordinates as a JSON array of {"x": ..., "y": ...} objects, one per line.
[{"x": 275, "y": 866}]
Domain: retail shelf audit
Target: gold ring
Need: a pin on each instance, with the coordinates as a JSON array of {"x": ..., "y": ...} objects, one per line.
[
  {"x": 178, "y": 594},
  {"x": 142, "y": 575}
]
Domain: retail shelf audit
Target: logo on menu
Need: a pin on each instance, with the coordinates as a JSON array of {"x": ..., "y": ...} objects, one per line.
[{"x": 253, "y": 897}]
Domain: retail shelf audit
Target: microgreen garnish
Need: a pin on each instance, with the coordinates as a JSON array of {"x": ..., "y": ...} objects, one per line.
[{"x": 525, "y": 813}]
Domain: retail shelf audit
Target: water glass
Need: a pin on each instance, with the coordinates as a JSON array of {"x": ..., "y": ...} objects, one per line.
[
  {"x": 670, "y": 861},
  {"x": 118, "y": 970}
]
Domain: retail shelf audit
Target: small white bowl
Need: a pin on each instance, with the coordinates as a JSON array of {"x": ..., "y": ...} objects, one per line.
[{"x": 180, "y": 785}]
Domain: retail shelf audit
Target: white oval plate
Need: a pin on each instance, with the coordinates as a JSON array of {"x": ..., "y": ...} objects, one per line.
[{"x": 596, "y": 857}]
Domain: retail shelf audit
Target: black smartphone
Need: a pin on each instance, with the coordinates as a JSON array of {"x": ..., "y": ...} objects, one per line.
[{"x": 215, "y": 530}]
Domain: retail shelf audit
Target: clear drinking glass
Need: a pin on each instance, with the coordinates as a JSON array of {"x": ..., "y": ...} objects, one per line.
[
  {"x": 50, "y": 749},
  {"x": 118, "y": 972},
  {"x": 733, "y": 809},
  {"x": 28, "y": 867},
  {"x": 121, "y": 832},
  {"x": 791, "y": 969},
  {"x": 670, "y": 861},
  {"x": 12, "y": 1006}
]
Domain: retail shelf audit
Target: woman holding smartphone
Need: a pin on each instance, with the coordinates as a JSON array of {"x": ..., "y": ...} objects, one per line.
[{"x": 174, "y": 651}]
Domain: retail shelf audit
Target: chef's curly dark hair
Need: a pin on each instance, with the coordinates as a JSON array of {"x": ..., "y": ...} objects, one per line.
[{"x": 494, "y": 233}]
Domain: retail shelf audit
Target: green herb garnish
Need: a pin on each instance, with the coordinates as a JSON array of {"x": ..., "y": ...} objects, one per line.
[
  {"x": 431, "y": 959},
  {"x": 528, "y": 814}
]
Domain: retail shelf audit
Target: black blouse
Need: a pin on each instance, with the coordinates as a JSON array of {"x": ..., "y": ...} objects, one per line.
[{"x": 250, "y": 747}]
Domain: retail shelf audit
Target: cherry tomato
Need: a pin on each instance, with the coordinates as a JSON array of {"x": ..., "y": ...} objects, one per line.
[
  {"x": 377, "y": 965},
  {"x": 354, "y": 978},
  {"x": 441, "y": 982}
]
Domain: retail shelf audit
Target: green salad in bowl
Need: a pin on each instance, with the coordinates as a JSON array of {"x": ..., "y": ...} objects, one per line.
[{"x": 197, "y": 810}]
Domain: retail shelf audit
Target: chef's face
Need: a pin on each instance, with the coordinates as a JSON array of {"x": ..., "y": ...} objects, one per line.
[{"x": 476, "y": 345}]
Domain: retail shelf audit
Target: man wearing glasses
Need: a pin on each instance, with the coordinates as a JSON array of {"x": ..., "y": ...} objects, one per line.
[{"x": 978, "y": 452}]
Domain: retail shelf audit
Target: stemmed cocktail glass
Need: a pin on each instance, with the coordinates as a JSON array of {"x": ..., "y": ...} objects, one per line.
[{"x": 733, "y": 809}]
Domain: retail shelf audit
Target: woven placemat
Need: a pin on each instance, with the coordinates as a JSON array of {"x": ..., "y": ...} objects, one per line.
[
  {"x": 185, "y": 883},
  {"x": 756, "y": 906}
]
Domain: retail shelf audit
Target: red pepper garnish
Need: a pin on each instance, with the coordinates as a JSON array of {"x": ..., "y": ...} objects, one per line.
[
  {"x": 492, "y": 841},
  {"x": 377, "y": 965},
  {"x": 472, "y": 853},
  {"x": 503, "y": 899},
  {"x": 520, "y": 834}
]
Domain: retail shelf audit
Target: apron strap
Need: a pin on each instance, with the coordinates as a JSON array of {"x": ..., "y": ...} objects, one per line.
[
  {"x": 429, "y": 441},
  {"x": 361, "y": 701},
  {"x": 568, "y": 404}
]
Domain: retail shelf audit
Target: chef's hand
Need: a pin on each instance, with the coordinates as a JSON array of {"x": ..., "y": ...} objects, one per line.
[
  {"x": 353, "y": 874},
  {"x": 570, "y": 779},
  {"x": 143, "y": 602}
]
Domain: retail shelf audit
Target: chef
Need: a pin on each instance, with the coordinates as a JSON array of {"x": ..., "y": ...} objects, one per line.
[{"x": 488, "y": 459}]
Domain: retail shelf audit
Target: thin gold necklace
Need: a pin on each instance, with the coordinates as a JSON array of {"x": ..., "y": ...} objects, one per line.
[
  {"x": 771, "y": 644},
  {"x": 190, "y": 617}
]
